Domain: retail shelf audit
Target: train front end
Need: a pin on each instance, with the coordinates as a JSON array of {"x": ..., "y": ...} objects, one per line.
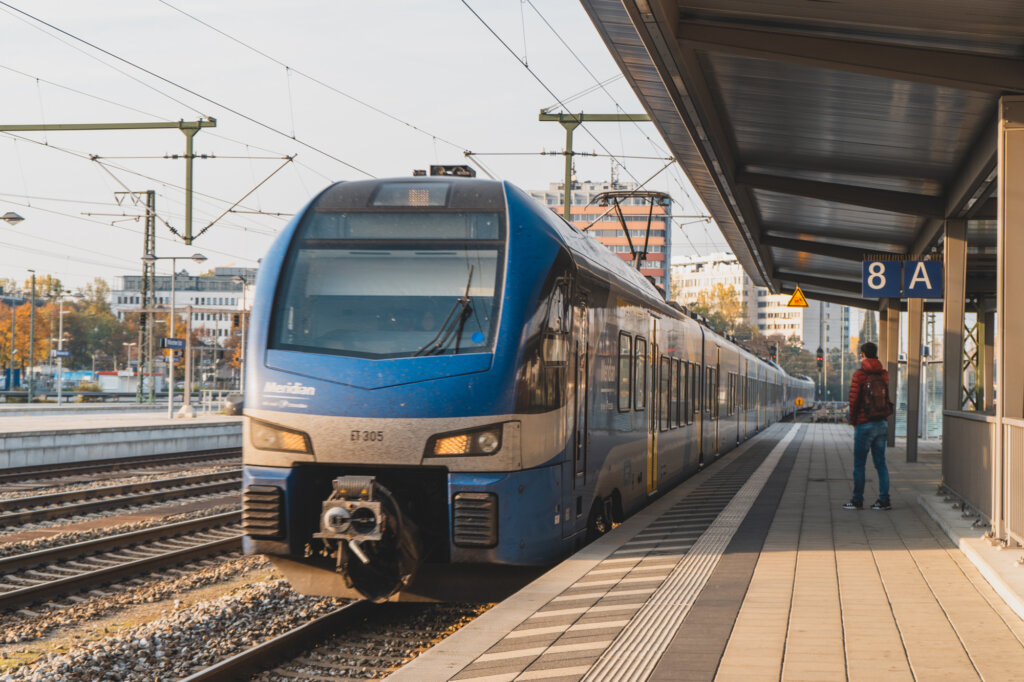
[{"x": 379, "y": 429}]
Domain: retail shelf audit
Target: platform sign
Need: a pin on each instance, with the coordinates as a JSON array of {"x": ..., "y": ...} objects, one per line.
[
  {"x": 880, "y": 279},
  {"x": 176, "y": 344},
  {"x": 922, "y": 279},
  {"x": 799, "y": 402},
  {"x": 61, "y": 354},
  {"x": 797, "y": 300}
]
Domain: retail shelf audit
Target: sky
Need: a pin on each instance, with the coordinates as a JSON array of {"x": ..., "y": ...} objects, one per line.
[{"x": 351, "y": 90}]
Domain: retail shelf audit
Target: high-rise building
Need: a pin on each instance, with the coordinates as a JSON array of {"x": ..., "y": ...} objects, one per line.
[
  {"x": 765, "y": 311},
  {"x": 606, "y": 227}
]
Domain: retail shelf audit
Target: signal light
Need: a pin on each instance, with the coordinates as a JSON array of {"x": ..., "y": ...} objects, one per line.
[
  {"x": 775, "y": 353},
  {"x": 457, "y": 171},
  {"x": 821, "y": 357}
]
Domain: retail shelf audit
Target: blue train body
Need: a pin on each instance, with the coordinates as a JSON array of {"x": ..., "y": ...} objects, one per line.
[{"x": 444, "y": 376}]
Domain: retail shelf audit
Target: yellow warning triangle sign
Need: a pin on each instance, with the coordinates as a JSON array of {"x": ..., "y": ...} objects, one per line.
[{"x": 797, "y": 300}]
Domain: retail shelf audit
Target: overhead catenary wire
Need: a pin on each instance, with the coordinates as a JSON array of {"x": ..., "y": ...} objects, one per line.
[
  {"x": 207, "y": 133},
  {"x": 601, "y": 85},
  {"x": 292, "y": 69},
  {"x": 190, "y": 91},
  {"x": 544, "y": 85}
]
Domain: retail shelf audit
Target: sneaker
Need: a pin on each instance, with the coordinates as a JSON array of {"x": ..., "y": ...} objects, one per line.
[
  {"x": 853, "y": 505},
  {"x": 885, "y": 505}
]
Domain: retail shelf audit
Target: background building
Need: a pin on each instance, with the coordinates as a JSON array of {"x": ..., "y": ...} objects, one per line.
[
  {"x": 767, "y": 312},
  {"x": 214, "y": 298},
  {"x": 608, "y": 228}
]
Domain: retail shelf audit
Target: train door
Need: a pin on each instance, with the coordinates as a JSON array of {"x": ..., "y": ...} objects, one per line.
[
  {"x": 574, "y": 466},
  {"x": 715, "y": 406},
  {"x": 744, "y": 386},
  {"x": 709, "y": 429},
  {"x": 581, "y": 367},
  {"x": 651, "y": 362}
]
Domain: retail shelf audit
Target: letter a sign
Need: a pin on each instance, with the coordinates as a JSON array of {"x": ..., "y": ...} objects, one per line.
[
  {"x": 922, "y": 279},
  {"x": 797, "y": 300}
]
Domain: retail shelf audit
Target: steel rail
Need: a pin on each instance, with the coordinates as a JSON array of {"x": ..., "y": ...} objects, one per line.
[
  {"x": 89, "y": 506},
  {"x": 287, "y": 645},
  {"x": 83, "y": 494},
  {"x": 35, "y": 593},
  {"x": 44, "y": 471},
  {"x": 122, "y": 540}
]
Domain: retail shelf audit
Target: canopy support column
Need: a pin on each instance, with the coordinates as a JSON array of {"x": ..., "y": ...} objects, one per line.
[{"x": 915, "y": 312}]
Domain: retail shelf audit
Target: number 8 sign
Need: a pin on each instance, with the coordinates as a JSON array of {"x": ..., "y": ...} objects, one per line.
[{"x": 881, "y": 279}]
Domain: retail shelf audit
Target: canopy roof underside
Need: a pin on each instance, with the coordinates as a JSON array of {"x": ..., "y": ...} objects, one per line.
[{"x": 819, "y": 133}]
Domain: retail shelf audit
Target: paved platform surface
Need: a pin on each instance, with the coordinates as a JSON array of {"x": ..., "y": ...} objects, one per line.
[
  {"x": 11, "y": 423},
  {"x": 775, "y": 581}
]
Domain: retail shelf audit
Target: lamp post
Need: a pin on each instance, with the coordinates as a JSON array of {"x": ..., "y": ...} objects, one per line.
[
  {"x": 31, "y": 339},
  {"x": 150, "y": 259},
  {"x": 241, "y": 356},
  {"x": 60, "y": 295},
  {"x": 128, "y": 352}
]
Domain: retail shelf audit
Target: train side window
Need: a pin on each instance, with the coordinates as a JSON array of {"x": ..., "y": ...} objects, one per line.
[
  {"x": 640, "y": 375},
  {"x": 718, "y": 397},
  {"x": 694, "y": 390},
  {"x": 665, "y": 387},
  {"x": 625, "y": 370},
  {"x": 677, "y": 393},
  {"x": 708, "y": 383},
  {"x": 686, "y": 393}
]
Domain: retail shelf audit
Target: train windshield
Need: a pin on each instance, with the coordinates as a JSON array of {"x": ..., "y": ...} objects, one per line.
[{"x": 388, "y": 285}]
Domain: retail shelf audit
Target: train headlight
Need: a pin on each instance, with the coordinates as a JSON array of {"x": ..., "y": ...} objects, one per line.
[
  {"x": 485, "y": 441},
  {"x": 488, "y": 442},
  {"x": 266, "y": 436}
]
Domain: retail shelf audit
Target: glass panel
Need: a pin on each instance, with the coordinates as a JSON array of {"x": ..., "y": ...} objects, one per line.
[
  {"x": 412, "y": 194},
  {"x": 375, "y": 226},
  {"x": 385, "y": 303},
  {"x": 625, "y": 356},
  {"x": 665, "y": 377},
  {"x": 640, "y": 369}
]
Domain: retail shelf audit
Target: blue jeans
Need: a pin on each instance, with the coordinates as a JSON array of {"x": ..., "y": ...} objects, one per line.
[{"x": 870, "y": 435}]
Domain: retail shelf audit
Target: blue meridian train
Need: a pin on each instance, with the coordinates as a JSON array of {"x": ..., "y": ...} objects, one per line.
[{"x": 448, "y": 385}]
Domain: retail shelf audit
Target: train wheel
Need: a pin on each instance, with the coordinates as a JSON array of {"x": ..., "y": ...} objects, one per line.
[{"x": 598, "y": 523}]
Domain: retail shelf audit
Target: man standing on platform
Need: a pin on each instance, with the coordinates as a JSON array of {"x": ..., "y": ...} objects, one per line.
[{"x": 870, "y": 408}]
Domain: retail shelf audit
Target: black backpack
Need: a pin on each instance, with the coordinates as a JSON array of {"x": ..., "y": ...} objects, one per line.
[{"x": 874, "y": 397}]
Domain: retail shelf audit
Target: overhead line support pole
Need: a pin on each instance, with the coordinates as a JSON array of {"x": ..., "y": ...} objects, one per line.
[
  {"x": 570, "y": 122},
  {"x": 189, "y": 128}
]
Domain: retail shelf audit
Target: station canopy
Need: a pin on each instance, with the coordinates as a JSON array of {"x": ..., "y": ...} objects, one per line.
[{"x": 820, "y": 133}]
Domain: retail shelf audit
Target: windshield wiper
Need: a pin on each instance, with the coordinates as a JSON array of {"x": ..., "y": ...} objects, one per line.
[{"x": 453, "y": 325}]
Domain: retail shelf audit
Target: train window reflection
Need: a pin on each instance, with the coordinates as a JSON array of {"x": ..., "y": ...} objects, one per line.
[
  {"x": 394, "y": 302},
  {"x": 625, "y": 359},
  {"x": 640, "y": 370}
]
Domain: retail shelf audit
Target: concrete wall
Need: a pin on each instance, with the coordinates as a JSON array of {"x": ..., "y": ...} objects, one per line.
[{"x": 82, "y": 445}]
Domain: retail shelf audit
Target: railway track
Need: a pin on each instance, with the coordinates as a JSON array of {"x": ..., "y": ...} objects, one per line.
[
  {"x": 21, "y": 510},
  {"x": 28, "y": 579},
  {"x": 359, "y": 640},
  {"x": 111, "y": 467}
]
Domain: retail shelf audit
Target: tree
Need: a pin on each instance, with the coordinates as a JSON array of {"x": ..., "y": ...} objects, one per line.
[
  {"x": 722, "y": 307},
  {"x": 96, "y": 296}
]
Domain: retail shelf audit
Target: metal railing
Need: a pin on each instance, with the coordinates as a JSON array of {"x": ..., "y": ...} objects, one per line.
[{"x": 968, "y": 456}]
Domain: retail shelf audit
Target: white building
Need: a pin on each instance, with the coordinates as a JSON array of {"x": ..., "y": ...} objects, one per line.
[
  {"x": 217, "y": 300},
  {"x": 768, "y": 312}
]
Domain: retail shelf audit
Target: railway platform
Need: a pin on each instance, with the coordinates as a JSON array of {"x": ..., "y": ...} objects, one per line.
[
  {"x": 28, "y": 439},
  {"x": 751, "y": 570}
]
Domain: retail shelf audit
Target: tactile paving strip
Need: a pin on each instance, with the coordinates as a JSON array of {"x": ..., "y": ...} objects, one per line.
[{"x": 615, "y": 621}]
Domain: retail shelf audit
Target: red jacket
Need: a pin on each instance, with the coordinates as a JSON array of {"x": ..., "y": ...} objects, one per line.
[{"x": 857, "y": 416}]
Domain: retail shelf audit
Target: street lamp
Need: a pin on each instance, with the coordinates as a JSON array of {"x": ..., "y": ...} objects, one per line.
[
  {"x": 11, "y": 218},
  {"x": 241, "y": 358},
  {"x": 150, "y": 259},
  {"x": 128, "y": 353},
  {"x": 60, "y": 296}
]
